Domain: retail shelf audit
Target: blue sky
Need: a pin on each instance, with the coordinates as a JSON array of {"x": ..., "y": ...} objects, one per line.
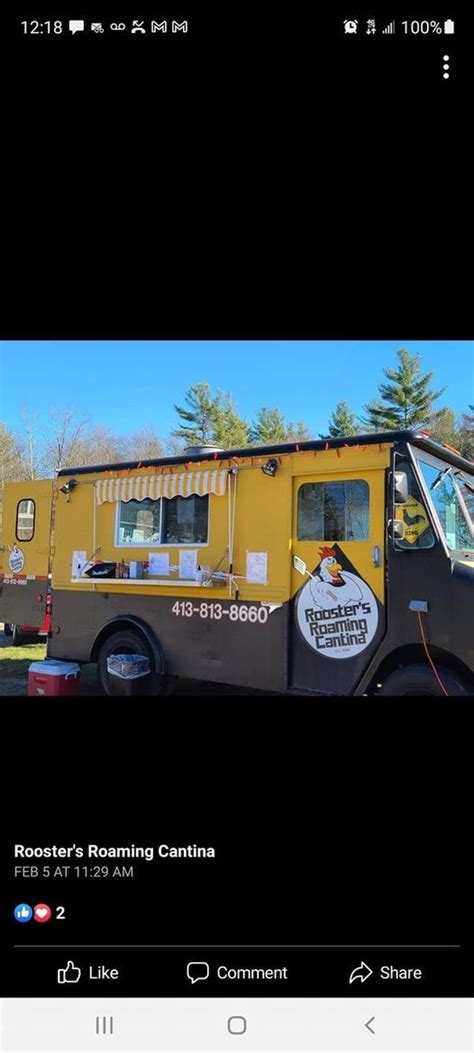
[{"x": 126, "y": 385}]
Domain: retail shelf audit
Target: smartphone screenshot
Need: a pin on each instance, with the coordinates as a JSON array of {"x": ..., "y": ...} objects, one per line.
[{"x": 236, "y": 530}]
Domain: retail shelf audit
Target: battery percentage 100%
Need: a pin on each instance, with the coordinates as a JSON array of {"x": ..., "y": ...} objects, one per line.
[{"x": 423, "y": 27}]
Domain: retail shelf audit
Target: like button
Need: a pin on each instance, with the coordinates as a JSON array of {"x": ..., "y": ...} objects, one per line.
[{"x": 70, "y": 975}]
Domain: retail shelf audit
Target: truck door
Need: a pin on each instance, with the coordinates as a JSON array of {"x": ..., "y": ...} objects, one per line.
[
  {"x": 338, "y": 615},
  {"x": 25, "y": 552}
]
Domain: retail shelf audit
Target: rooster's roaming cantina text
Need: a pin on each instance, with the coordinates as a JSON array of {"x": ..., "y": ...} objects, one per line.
[{"x": 148, "y": 852}]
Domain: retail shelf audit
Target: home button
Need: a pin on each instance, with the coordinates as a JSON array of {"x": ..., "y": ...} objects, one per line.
[{"x": 237, "y": 1025}]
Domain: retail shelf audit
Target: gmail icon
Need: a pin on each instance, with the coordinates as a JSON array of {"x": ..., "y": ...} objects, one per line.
[{"x": 159, "y": 27}]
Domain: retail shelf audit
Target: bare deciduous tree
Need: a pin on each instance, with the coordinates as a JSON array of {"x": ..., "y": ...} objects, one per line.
[
  {"x": 29, "y": 444},
  {"x": 143, "y": 445},
  {"x": 97, "y": 445},
  {"x": 63, "y": 438},
  {"x": 174, "y": 447},
  {"x": 10, "y": 462}
]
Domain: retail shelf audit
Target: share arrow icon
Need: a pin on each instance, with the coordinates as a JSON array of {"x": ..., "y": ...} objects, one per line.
[{"x": 362, "y": 973}]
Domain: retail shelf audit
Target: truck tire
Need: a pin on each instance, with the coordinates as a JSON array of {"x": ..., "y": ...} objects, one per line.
[
  {"x": 419, "y": 679},
  {"x": 130, "y": 641},
  {"x": 18, "y": 638}
]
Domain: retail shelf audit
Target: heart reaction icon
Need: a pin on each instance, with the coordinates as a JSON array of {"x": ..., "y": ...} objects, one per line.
[{"x": 41, "y": 912}]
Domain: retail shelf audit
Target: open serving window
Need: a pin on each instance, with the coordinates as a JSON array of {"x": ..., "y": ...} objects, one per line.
[{"x": 163, "y": 521}]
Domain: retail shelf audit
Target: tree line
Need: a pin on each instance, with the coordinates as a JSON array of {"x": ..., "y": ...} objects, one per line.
[{"x": 405, "y": 399}]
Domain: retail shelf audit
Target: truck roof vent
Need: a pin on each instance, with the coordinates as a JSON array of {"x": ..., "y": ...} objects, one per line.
[{"x": 202, "y": 449}]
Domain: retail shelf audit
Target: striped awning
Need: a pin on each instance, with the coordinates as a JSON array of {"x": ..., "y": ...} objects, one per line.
[{"x": 183, "y": 484}]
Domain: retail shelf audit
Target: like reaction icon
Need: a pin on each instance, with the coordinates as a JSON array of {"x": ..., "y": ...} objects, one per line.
[
  {"x": 23, "y": 912},
  {"x": 70, "y": 975},
  {"x": 41, "y": 912}
]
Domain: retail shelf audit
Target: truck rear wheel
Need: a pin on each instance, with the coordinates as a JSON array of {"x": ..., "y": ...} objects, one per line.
[
  {"x": 420, "y": 680},
  {"x": 18, "y": 638},
  {"x": 129, "y": 641}
]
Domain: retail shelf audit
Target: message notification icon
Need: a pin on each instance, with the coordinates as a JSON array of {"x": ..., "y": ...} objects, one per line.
[
  {"x": 76, "y": 25},
  {"x": 197, "y": 971},
  {"x": 41, "y": 912},
  {"x": 23, "y": 912}
]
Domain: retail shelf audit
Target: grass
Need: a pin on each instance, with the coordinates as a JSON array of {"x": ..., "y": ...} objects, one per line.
[
  {"x": 11, "y": 656},
  {"x": 15, "y": 662}
]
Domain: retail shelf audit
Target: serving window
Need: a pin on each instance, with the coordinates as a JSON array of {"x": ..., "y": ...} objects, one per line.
[
  {"x": 185, "y": 520},
  {"x": 139, "y": 522},
  {"x": 168, "y": 521}
]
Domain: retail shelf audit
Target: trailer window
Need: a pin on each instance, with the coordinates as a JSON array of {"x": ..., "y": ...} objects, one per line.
[
  {"x": 25, "y": 520},
  {"x": 337, "y": 510},
  {"x": 185, "y": 520},
  {"x": 139, "y": 522}
]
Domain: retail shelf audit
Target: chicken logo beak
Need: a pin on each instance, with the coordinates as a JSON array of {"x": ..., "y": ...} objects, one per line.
[{"x": 334, "y": 570}]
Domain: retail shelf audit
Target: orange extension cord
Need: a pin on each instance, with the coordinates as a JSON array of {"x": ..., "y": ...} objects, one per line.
[{"x": 425, "y": 645}]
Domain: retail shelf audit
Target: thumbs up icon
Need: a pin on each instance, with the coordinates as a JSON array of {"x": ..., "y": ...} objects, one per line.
[
  {"x": 23, "y": 912},
  {"x": 70, "y": 975}
]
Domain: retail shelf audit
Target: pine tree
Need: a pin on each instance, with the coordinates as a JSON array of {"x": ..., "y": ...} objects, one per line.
[
  {"x": 441, "y": 426},
  {"x": 211, "y": 419},
  {"x": 373, "y": 410},
  {"x": 343, "y": 422},
  {"x": 231, "y": 431},
  {"x": 465, "y": 435},
  {"x": 298, "y": 432},
  {"x": 199, "y": 420},
  {"x": 269, "y": 427},
  {"x": 407, "y": 401}
]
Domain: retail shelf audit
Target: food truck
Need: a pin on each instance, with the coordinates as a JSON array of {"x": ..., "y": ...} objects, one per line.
[{"x": 331, "y": 567}]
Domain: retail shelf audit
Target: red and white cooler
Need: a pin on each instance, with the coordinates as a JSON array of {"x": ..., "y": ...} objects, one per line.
[{"x": 52, "y": 678}]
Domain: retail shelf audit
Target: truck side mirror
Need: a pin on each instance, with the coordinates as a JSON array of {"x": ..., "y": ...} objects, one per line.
[
  {"x": 400, "y": 488},
  {"x": 397, "y": 529}
]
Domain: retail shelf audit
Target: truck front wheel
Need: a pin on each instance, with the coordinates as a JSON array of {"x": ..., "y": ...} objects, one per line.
[
  {"x": 129, "y": 641},
  {"x": 419, "y": 679}
]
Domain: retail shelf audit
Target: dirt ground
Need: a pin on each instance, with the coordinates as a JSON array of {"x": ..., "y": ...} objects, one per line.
[{"x": 15, "y": 662}]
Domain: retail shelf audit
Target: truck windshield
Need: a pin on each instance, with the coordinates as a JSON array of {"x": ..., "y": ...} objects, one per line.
[{"x": 452, "y": 495}]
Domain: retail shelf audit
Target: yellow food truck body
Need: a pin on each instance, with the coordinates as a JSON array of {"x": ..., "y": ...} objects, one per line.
[{"x": 268, "y": 568}]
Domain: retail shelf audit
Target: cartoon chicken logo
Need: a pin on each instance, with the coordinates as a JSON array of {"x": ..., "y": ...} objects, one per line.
[
  {"x": 336, "y": 611},
  {"x": 332, "y": 584}
]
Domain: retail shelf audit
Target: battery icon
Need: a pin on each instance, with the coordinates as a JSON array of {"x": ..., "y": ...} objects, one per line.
[{"x": 449, "y": 26}]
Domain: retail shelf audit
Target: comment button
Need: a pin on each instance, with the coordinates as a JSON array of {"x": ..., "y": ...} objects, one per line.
[{"x": 197, "y": 971}]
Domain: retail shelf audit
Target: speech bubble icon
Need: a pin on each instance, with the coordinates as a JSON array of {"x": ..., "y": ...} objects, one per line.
[
  {"x": 76, "y": 25},
  {"x": 197, "y": 971}
]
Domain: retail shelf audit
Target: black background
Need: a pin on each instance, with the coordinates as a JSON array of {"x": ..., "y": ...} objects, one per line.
[
  {"x": 265, "y": 175},
  {"x": 255, "y": 181},
  {"x": 334, "y": 822}
]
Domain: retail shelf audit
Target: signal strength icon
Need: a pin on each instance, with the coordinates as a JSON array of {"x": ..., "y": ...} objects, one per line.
[{"x": 390, "y": 28}]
